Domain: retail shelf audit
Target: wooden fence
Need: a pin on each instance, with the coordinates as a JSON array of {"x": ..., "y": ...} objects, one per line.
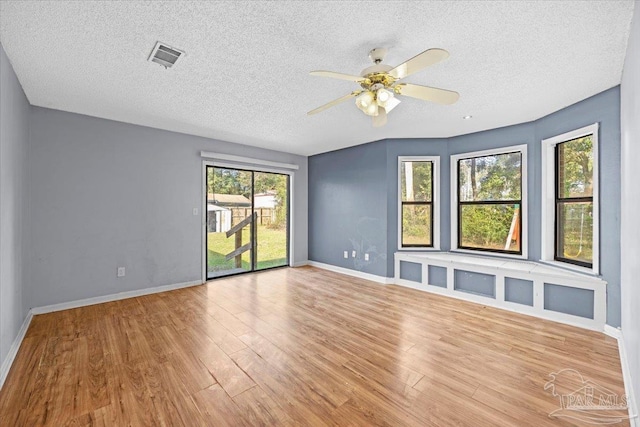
[{"x": 264, "y": 216}]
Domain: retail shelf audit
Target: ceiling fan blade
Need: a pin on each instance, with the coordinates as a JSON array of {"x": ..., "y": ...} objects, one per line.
[
  {"x": 381, "y": 119},
  {"x": 441, "y": 96},
  {"x": 340, "y": 76},
  {"x": 419, "y": 62},
  {"x": 335, "y": 102}
]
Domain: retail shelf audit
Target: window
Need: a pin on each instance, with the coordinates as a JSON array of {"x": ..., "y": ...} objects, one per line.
[
  {"x": 570, "y": 198},
  {"x": 418, "y": 208},
  {"x": 489, "y": 204}
]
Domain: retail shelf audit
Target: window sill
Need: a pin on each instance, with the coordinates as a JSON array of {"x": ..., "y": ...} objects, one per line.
[
  {"x": 489, "y": 254},
  {"x": 570, "y": 267},
  {"x": 419, "y": 249}
]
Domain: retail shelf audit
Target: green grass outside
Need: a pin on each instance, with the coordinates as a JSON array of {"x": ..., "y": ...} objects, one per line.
[{"x": 271, "y": 251}]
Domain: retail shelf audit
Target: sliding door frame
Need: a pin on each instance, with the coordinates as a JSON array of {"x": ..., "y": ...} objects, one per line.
[{"x": 252, "y": 168}]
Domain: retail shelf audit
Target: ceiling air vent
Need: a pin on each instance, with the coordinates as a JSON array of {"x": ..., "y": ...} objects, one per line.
[{"x": 165, "y": 55}]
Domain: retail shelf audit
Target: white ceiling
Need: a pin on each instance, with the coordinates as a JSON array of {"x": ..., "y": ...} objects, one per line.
[{"x": 245, "y": 75}]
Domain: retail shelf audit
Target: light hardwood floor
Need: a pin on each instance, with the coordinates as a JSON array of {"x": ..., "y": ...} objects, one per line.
[{"x": 297, "y": 347}]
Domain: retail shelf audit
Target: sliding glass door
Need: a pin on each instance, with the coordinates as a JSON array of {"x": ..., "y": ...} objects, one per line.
[
  {"x": 247, "y": 225},
  {"x": 271, "y": 207}
]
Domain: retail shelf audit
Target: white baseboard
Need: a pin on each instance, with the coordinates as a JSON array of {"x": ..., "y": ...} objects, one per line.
[
  {"x": 300, "y": 264},
  {"x": 626, "y": 374},
  {"x": 353, "y": 273},
  {"x": 628, "y": 384},
  {"x": 13, "y": 350},
  {"x": 112, "y": 297},
  {"x": 613, "y": 332}
]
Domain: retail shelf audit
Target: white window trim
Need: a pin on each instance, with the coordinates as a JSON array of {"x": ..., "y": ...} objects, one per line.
[
  {"x": 435, "y": 201},
  {"x": 524, "y": 211},
  {"x": 247, "y": 162},
  {"x": 257, "y": 166},
  {"x": 548, "y": 198}
]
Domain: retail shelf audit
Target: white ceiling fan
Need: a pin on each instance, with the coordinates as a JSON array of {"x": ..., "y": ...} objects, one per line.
[{"x": 380, "y": 84}]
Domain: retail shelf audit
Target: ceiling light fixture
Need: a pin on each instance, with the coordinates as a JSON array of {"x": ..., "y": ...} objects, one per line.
[
  {"x": 383, "y": 95},
  {"x": 371, "y": 110},
  {"x": 467, "y": 117},
  {"x": 364, "y": 100},
  {"x": 386, "y": 99},
  {"x": 380, "y": 88},
  {"x": 369, "y": 102}
]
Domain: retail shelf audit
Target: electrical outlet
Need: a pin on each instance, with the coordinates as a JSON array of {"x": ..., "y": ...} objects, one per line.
[
  {"x": 120, "y": 271},
  {"x": 353, "y": 254},
  {"x": 366, "y": 257},
  {"x": 346, "y": 254},
  {"x": 195, "y": 211}
]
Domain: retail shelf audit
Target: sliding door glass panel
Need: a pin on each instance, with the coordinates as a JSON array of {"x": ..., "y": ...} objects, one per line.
[
  {"x": 270, "y": 201},
  {"x": 229, "y": 221},
  {"x": 247, "y": 221}
]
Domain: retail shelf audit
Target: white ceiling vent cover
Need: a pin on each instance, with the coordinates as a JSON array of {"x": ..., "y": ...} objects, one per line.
[{"x": 165, "y": 55}]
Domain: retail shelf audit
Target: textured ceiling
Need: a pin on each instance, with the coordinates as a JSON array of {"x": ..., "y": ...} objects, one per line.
[{"x": 245, "y": 74}]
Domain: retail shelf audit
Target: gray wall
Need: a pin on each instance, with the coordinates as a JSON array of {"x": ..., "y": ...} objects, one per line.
[
  {"x": 348, "y": 207},
  {"x": 14, "y": 136},
  {"x": 350, "y": 194},
  {"x": 356, "y": 190},
  {"x": 106, "y": 194},
  {"x": 630, "y": 239}
]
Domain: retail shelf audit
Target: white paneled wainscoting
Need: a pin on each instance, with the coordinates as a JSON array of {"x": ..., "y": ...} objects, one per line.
[{"x": 527, "y": 287}]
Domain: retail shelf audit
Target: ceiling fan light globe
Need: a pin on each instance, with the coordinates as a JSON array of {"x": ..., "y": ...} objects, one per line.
[
  {"x": 383, "y": 96},
  {"x": 371, "y": 109},
  {"x": 364, "y": 100},
  {"x": 391, "y": 103}
]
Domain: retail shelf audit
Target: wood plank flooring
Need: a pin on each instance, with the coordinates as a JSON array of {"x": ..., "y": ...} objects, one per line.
[{"x": 293, "y": 347}]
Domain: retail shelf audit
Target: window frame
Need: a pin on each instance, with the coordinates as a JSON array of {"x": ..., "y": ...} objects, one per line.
[
  {"x": 549, "y": 200},
  {"x": 456, "y": 204},
  {"x": 435, "y": 202}
]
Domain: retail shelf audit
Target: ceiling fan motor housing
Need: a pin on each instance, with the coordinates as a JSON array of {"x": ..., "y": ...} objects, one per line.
[
  {"x": 377, "y": 76},
  {"x": 377, "y": 54},
  {"x": 377, "y": 68}
]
